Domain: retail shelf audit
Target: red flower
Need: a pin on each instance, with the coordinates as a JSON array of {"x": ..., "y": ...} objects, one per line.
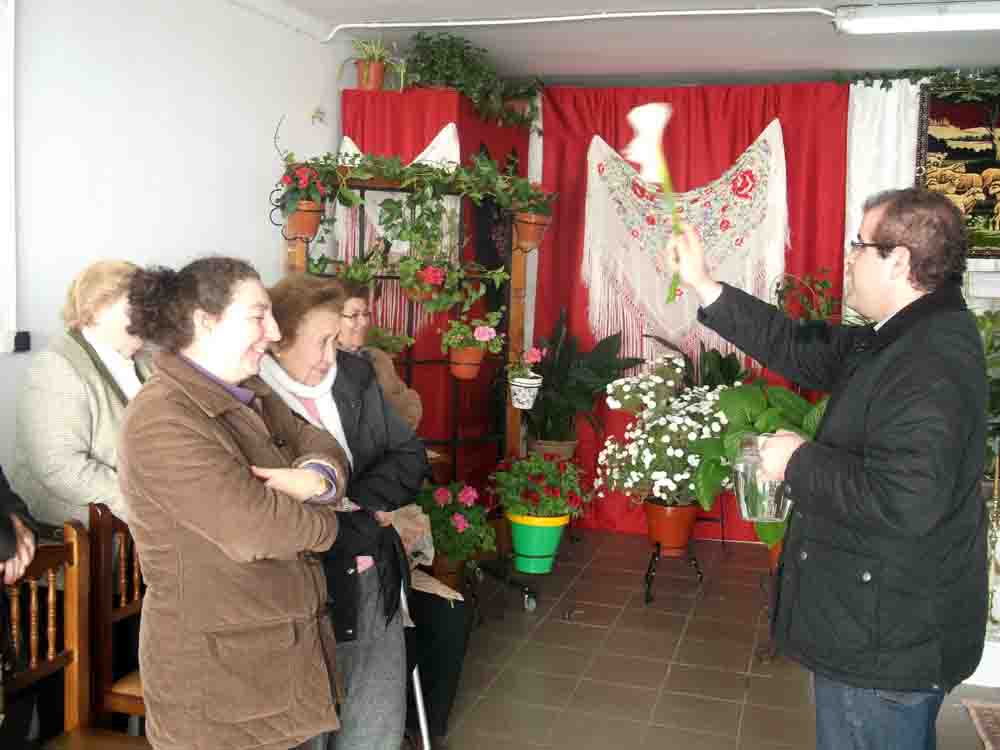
[
  {"x": 651, "y": 220},
  {"x": 743, "y": 184},
  {"x": 303, "y": 175},
  {"x": 725, "y": 208},
  {"x": 552, "y": 491},
  {"x": 574, "y": 500},
  {"x": 286, "y": 179},
  {"x": 562, "y": 467},
  {"x": 537, "y": 478},
  {"x": 639, "y": 191},
  {"x": 724, "y": 225},
  {"x": 635, "y": 233},
  {"x": 431, "y": 275}
]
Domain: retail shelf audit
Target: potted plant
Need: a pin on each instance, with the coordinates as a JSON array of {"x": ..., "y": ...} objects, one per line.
[
  {"x": 301, "y": 198},
  {"x": 539, "y": 494},
  {"x": 532, "y": 209},
  {"x": 371, "y": 58},
  {"x": 459, "y": 526},
  {"x": 389, "y": 342},
  {"x": 667, "y": 459},
  {"x": 652, "y": 389},
  {"x": 439, "y": 283},
  {"x": 467, "y": 341},
  {"x": 524, "y": 382},
  {"x": 572, "y": 379}
]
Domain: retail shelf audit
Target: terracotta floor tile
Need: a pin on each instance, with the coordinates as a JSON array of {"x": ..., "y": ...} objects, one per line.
[
  {"x": 650, "y": 620},
  {"x": 699, "y": 714},
  {"x": 585, "y": 613},
  {"x": 627, "y": 670},
  {"x": 569, "y": 634},
  {"x": 549, "y": 659},
  {"x": 665, "y": 601},
  {"x": 727, "y": 655},
  {"x": 708, "y": 683},
  {"x": 517, "y": 721},
  {"x": 576, "y": 730},
  {"x": 642, "y": 644},
  {"x": 704, "y": 629},
  {"x": 660, "y": 738},
  {"x": 532, "y": 687},
  {"x": 779, "y": 726},
  {"x": 778, "y": 693},
  {"x": 491, "y": 648},
  {"x": 613, "y": 701},
  {"x": 599, "y": 593}
]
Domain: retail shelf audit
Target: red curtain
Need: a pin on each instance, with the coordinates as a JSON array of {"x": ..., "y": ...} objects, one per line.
[
  {"x": 710, "y": 127},
  {"x": 392, "y": 123}
]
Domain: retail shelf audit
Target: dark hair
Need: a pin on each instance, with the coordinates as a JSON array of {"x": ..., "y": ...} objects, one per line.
[
  {"x": 354, "y": 289},
  {"x": 930, "y": 226},
  {"x": 163, "y": 300},
  {"x": 297, "y": 295}
]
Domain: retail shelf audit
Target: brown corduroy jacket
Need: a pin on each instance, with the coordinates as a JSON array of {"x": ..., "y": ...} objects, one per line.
[{"x": 236, "y": 646}]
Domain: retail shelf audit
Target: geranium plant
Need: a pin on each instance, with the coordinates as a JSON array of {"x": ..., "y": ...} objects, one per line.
[
  {"x": 479, "y": 332},
  {"x": 441, "y": 283},
  {"x": 299, "y": 182},
  {"x": 522, "y": 368},
  {"x": 539, "y": 485},
  {"x": 458, "y": 524},
  {"x": 671, "y": 454}
]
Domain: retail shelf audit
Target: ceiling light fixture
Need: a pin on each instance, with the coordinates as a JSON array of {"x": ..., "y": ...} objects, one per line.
[{"x": 917, "y": 17}]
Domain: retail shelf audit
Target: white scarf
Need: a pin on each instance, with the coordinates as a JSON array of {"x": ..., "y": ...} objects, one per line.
[{"x": 292, "y": 390}]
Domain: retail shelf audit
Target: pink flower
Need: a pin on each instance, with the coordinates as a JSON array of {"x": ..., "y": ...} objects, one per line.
[
  {"x": 484, "y": 333},
  {"x": 533, "y": 356},
  {"x": 442, "y": 496},
  {"x": 724, "y": 225},
  {"x": 459, "y": 522},
  {"x": 468, "y": 496}
]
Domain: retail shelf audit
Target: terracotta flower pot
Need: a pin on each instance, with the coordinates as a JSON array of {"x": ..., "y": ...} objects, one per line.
[
  {"x": 465, "y": 361},
  {"x": 303, "y": 223},
  {"x": 529, "y": 229},
  {"x": 370, "y": 75},
  {"x": 670, "y": 526},
  {"x": 561, "y": 448}
]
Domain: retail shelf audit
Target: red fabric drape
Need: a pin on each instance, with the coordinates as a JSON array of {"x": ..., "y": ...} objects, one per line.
[
  {"x": 392, "y": 123},
  {"x": 710, "y": 127}
]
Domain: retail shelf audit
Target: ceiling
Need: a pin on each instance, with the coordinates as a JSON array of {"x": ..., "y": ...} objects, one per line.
[{"x": 668, "y": 50}]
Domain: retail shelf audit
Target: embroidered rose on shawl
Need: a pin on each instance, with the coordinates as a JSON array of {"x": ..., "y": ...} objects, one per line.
[
  {"x": 743, "y": 184},
  {"x": 600, "y": 168},
  {"x": 724, "y": 225},
  {"x": 651, "y": 219},
  {"x": 639, "y": 191}
]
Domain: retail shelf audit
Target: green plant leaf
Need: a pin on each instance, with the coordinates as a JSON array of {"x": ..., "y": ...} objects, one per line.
[
  {"x": 742, "y": 404},
  {"x": 708, "y": 480},
  {"x": 770, "y": 532}
]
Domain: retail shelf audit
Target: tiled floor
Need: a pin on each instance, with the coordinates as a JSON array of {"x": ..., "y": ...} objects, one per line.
[{"x": 593, "y": 668}]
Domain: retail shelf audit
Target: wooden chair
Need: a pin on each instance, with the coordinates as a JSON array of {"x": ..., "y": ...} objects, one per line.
[
  {"x": 72, "y": 558},
  {"x": 117, "y": 595}
]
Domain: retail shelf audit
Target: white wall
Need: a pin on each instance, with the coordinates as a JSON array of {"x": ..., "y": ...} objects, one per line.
[{"x": 145, "y": 132}]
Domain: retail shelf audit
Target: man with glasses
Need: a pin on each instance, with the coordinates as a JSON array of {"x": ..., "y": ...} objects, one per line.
[{"x": 883, "y": 581}]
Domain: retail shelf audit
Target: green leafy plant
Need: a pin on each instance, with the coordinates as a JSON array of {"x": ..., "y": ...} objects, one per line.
[
  {"x": 572, "y": 380},
  {"x": 539, "y": 485},
  {"x": 446, "y": 59},
  {"x": 755, "y": 409},
  {"x": 478, "y": 332},
  {"x": 809, "y": 297},
  {"x": 371, "y": 50},
  {"x": 440, "y": 283},
  {"x": 458, "y": 524},
  {"x": 299, "y": 182},
  {"x": 387, "y": 341},
  {"x": 522, "y": 368}
]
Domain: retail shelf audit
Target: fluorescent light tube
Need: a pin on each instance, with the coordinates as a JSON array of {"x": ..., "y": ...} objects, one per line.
[{"x": 918, "y": 17}]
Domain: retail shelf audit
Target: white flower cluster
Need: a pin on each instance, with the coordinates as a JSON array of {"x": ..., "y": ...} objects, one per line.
[
  {"x": 654, "y": 457},
  {"x": 651, "y": 389}
]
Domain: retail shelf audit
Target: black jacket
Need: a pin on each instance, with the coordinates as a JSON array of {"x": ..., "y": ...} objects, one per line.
[
  {"x": 884, "y": 579},
  {"x": 389, "y": 466}
]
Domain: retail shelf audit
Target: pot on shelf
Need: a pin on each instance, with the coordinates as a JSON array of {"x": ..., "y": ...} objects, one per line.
[
  {"x": 561, "y": 448},
  {"x": 371, "y": 75},
  {"x": 465, "y": 361},
  {"x": 524, "y": 391}
]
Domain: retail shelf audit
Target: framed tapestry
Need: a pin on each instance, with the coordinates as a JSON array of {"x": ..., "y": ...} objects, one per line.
[{"x": 958, "y": 155}]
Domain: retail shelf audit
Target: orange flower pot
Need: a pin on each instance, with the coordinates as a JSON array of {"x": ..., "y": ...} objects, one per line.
[
  {"x": 303, "y": 223},
  {"x": 670, "y": 526},
  {"x": 370, "y": 75},
  {"x": 529, "y": 229},
  {"x": 465, "y": 361}
]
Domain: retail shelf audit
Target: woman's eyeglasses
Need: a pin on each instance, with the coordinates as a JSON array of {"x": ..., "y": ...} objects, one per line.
[
  {"x": 355, "y": 316},
  {"x": 859, "y": 245}
]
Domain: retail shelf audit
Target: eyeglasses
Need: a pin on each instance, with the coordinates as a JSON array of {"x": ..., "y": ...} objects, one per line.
[
  {"x": 859, "y": 245},
  {"x": 355, "y": 316}
]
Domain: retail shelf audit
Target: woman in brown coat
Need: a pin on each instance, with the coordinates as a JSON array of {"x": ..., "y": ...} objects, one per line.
[{"x": 228, "y": 499}]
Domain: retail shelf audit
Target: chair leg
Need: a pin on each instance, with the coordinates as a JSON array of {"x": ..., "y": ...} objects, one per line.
[{"x": 418, "y": 694}]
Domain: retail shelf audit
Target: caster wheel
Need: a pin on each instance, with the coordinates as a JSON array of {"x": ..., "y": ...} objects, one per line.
[{"x": 530, "y": 603}]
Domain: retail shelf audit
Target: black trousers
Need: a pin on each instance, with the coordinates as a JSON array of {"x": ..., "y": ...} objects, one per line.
[{"x": 437, "y": 644}]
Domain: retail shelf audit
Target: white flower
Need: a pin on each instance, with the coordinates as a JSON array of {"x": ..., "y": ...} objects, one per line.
[
  {"x": 716, "y": 427},
  {"x": 613, "y": 404}
]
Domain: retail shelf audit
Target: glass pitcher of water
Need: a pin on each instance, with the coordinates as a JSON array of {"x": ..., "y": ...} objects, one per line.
[{"x": 764, "y": 500}]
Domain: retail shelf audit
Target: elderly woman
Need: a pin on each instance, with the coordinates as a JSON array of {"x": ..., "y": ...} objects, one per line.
[
  {"x": 230, "y": 499},
  {"x": 367, "y": 567},
  {"x": 439, "y": 639},
  {"x": 71, "y": 406}
]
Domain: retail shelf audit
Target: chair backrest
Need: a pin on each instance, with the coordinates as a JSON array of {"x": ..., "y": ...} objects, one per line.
[
  {"x": 116, "y": 579},
  {"x": 71, "y": 557}
]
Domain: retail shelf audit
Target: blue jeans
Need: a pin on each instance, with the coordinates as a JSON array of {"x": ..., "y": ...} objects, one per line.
[{"x": 850, "y": 718}]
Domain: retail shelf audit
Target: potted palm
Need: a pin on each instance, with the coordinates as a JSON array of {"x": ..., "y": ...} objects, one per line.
[
  {"x": 539, "y": 494},
  {"x": 572, "y": 380},
  {"x": 459, "y": 526},
  {"x": 466, "y": 342}
]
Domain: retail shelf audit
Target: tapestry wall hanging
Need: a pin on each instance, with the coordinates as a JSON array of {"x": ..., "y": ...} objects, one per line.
[
  {"x": 742, "y": 217},
  {"x": 959, "y": 156}
]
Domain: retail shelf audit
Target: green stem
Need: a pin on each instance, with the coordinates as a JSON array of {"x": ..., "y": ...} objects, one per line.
[{"x": 675, "y": 224}]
